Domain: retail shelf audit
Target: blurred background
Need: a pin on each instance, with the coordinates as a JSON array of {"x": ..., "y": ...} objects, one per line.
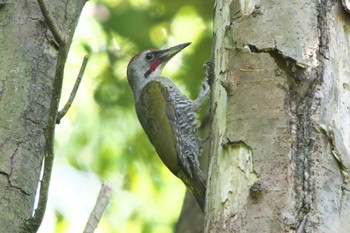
[{"x": 100, "y": 138}]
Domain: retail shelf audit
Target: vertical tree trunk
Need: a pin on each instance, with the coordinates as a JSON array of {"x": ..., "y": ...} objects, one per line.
[
  {"x": 281, "y": 123},
  {"x": 31, "y": 71}
]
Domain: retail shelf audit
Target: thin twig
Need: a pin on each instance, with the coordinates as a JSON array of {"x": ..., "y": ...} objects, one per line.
[
  {"x": 100, "y": 206},
  {"x": 66, "y": 107},
  {"x": 51, "y": 22},
  {"x": 33, "y": 224}
]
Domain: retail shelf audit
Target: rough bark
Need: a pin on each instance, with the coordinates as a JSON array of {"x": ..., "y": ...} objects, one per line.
[
  {"x": 31, "y": 72},
  {"x": 281, "y": 127}
]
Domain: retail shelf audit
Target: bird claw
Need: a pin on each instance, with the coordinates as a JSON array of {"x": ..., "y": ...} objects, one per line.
[
  {"x": 208, "y": 78},
  {"x": 209, "y": 71},
  {"x": 205, "y": 86},
  {"x": 205, "y": 89}
]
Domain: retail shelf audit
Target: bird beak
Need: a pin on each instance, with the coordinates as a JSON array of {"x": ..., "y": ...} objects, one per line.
[{"x": 167, "y": 54}]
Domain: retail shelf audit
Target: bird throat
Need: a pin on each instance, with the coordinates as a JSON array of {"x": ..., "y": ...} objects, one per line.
[{"x": 153, "y": 67}]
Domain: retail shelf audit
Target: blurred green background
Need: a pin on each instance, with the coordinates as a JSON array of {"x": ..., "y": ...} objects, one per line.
[{"x": 101, "y": 138}]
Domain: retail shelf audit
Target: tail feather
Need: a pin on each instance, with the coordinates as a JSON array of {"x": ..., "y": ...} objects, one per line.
[
  {"x": 196, "y": 186},
  {"x": 199, "y": 191}
]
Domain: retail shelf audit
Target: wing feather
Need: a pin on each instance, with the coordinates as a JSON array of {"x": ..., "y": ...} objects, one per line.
[
  {"x": 170, "y": 130},
  {"x": 156, "y": 114}
]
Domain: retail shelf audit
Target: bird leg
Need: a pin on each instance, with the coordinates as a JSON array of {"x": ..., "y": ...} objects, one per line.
[{"x": 205, "y": 88}]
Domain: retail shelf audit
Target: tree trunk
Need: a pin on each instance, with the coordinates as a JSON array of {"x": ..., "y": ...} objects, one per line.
[
  {"x": 280, "y": 148},
  {"x": 31, "y": 71}
]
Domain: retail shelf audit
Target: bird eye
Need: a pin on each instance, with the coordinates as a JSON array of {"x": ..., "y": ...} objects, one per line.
[{"x": 149, "y": 56}]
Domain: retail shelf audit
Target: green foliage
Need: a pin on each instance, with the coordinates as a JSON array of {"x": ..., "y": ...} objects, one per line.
[{"x": 101, "y": 133}]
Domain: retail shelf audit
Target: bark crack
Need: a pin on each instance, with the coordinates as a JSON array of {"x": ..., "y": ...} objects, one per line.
[
  {"x": 8, "y": 174},
  {"x": 322, "y": 26},
  {"x": 343, "y": 169},
  {"x": 300, "y": 77},
  {"x": 11, "y": 171},
  {"x": 66, "y": 11},
  {"x": 288, "y": 64},
  {"x": 300, "y": 97},
  {"x": 11, "y": 185},
  {"x": 2, "y": 88}
]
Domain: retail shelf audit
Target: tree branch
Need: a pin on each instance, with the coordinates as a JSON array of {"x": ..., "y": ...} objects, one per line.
[
  {"x": 100, "y": 206},
  {"x": 33, "y": 224},
  {"x": 66, "y": 107},
  {"x": 51, "y": 22}
]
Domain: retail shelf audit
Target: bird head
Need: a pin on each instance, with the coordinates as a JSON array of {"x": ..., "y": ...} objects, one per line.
[{"x": 146, "y": 65}]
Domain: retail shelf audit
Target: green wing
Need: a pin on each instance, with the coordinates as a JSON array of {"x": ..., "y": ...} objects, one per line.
[{"x": 157, "y": 115}]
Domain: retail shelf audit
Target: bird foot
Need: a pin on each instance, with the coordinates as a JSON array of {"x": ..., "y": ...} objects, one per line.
[{"x": 205, "y": 87}]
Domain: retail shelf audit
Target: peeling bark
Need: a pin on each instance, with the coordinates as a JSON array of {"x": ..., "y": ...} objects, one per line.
[{"x": 280, "y": 103}]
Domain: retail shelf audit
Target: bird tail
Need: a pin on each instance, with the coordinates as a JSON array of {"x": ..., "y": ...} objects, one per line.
[
  {"x": 195, "y": 184},
  {"x": 198, "y": 190}
]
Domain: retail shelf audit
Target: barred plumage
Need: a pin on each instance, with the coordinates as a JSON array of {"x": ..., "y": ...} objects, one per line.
[{"x": 168, "y": 117}]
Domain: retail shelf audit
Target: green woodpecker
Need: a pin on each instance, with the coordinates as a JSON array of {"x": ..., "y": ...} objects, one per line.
[{"x": 168, "y": 116}]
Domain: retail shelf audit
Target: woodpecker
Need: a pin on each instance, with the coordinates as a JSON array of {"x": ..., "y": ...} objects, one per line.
[{"x": 168, "y": 116}]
